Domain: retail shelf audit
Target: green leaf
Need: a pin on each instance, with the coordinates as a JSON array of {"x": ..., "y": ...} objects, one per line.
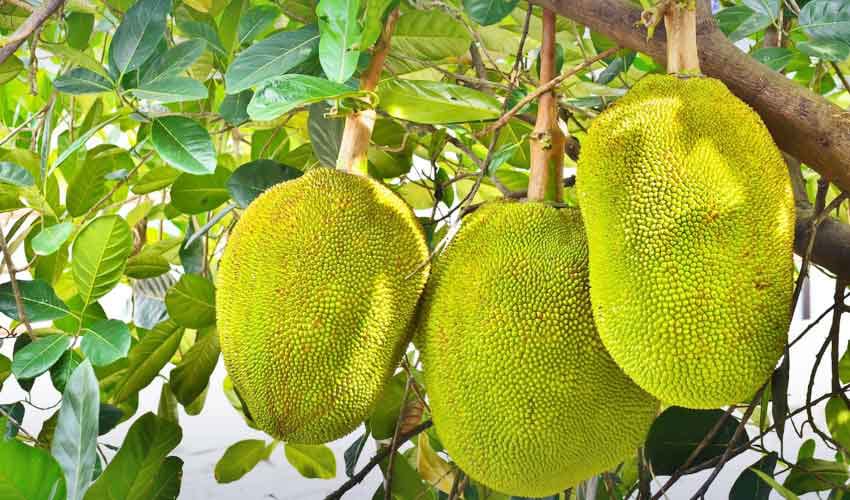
[
  {"x": 779, "y": 395},
  {"x": 29, "y": 473},
  {"x": 192, "y": 251},
  {"x": 826, "y": 20},
  {"x": 184, "y": 144},
  {"x": 171, "y": 89},
  {"x": 10, "y": 68},
  {"x": 100, "y": 253},
  {"x": 240, "y": 458},
  {"x": 38, "y": 299},
  {"x": 168, "y": 406},
  {"x": 374, "y": 22},
  {"x": 311, "y": 461},
  {"x": 174, "y": 61},
  {"x": 813, "y": 474},
  {"x": 828, "y": 50},
  {"x": 253, "y": 178},
  {"x": 486, "y": 12},
  {"x": 166, "y": 484},
  {"x": 228, "y": 27},
  {"x": 80, "y": 26},
  {"x": 352, "y": 453},
  {"x": 191, "y": 376},
  {"x": 14, "y": 174},
  {"x": 89, "y": 185},
  {"x": 105, "y": 341},
  {"x": 108, "y": 417},
  {"x": 75, "y": 439},
  {"x": 194, "y": 194},
  {"x": 81, "y": 140},
  {"x": 140, "y": 469},
  {"x": 138, "y": 35},
  {"x": 435, "y": 102},
  {"x": 676, "y": 433},
  {"x": 325, "y": 134},
  {"x": 838, "y": 421},
  {"x": 384, "y": 417},
  {"x": 38, "y": 356},
  {"x": 73, "y": 57},
  {"x": 775, "y": 58},
  {"x": 155, "y": 180},
  {"x": 191, "y": 302},
  {"x": 147, "y": 265},
  {"x": 271, "y": 57},
  {"x": 10, "y": 418},
  {"x": 787, "y": 495},
  {"x": 80, "y": 81},
  {"x": 740, "y": 21},
  {"x": 147, "y": 358},
  {"x": 288, "y": 92},
  {"x": 234, "y": 107},
  {"x": 767, "y": 8},
  {"x": 255, "y": 21},
  {"x": 5, "y": 369},
  {"x": 340, "y": 32},
  {"x": 49, "y": 239},
  {"x": 407, "y": 482},
  {"x": 204, "y": 31},
  {"x": 62, "y": 370},
  {"x": 749, "y": 486}
]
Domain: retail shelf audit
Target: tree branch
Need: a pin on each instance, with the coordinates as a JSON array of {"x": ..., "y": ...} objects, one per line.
[
  {"x": 803, "y": 123},
  {"x": 24, "y": 31},
  {"x": 379, "y": 456},
  {"x": 831, "y": 248}
]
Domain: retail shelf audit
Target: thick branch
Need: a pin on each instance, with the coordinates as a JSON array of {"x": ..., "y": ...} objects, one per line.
[
  {"x": 831, "y": 249},
  {"x": 803, "y": 123},
  {"x": 547, "y": 141},
  {"x": 24, "y": 31},
  {"x": 682, "y": 54},
  {"x": 353, "y": 152}
]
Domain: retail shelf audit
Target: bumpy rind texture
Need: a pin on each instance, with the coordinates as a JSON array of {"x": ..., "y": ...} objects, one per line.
[
  {"x": 317, "y": 291},
  {"x": 690, "y": 219},
  {"x": 523, "y": 395}
]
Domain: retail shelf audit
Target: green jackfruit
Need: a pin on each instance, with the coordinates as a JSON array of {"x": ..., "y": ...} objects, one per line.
[
  {"x": 523, "y": 395},
  {"x": 690, "y": 221},
  {"x": 317, "y": 290}
]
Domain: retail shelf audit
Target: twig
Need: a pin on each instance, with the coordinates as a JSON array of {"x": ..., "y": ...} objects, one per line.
[
  {"x": 33, "y": 22},
  {"x": 379, "y": 456},
  {"x": 115, "y": 188},
  {"x": 503, "y": 120},
  {"x": 728, "y": 452},
  {"x": 679, "y": 472},
  {"x": 388, "y": 476},
  {"x": 16, "y": 291}
]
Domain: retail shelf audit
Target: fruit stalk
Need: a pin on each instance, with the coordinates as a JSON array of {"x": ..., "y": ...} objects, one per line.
[
  {"x": 680, "y": 19},
  {"x": 547, "y": 140},
  {"x": 353, "y": 152}
]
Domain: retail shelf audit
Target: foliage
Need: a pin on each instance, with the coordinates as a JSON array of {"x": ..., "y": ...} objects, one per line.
[{"x": 133, "y": 134}]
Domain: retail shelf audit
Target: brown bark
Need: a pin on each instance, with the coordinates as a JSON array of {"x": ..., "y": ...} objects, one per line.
[
  {"x": 33, "y": 23},
  {"x": 831, "y": 248},
  {"x": 547, "y": 140},
  {"x": 804, "y": 124},
  {"x": 354, "y": 149}
]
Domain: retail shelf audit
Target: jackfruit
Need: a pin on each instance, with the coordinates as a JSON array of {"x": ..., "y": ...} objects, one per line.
[
  {"x": 690, "y": 221},
  {"x": 317, "y": 291},
  {"x": 523, "y": 396}
]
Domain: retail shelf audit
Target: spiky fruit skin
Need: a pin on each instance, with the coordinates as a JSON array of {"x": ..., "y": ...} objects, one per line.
[
  {"x": 523, "y": 396},
  {"x": 317, "y": 291},
  {"x": 690, "y": 220}
]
